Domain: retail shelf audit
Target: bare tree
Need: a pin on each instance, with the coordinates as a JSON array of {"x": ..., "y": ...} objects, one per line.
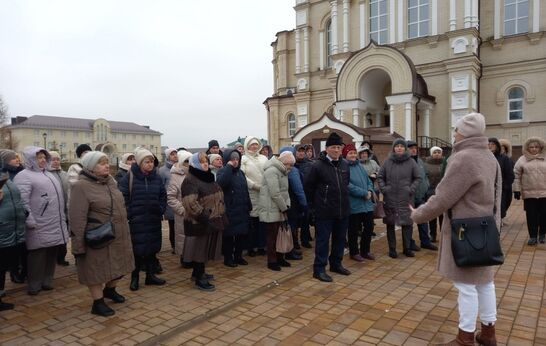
[{"x": 7, "y": 141}]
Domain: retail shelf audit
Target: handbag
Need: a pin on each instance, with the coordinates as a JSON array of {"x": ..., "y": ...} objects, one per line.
[
  {"x": 378, "y": 208},
  {"x": 104, "y": 234},
  {"x": 285, "y": 243},
  {"x": 475, "y": 242}
]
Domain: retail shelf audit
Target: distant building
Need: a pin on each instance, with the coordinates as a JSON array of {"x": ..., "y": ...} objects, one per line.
[
  {"x": 65, "y": 134},
  {"x": 408, "y": 68}
]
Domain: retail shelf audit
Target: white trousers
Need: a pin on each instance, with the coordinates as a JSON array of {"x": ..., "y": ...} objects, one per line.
[{"x": 474, "y": 299}]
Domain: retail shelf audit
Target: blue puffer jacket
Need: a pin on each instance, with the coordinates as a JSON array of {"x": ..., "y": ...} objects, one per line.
[
  {"x": 359, "y": 185},
  {"x": 12, "y": 216},
  {"x": 298, "y": 200},
  {"x": 236, "y": 198},
  {"x": 145, "y": 202}
]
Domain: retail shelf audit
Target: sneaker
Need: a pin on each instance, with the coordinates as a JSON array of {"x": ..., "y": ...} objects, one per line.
[
  {"x": 357, "y": 258},
  {"x": 532, "y": 241}
]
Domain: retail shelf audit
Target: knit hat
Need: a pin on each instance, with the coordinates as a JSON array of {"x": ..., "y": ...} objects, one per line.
[
  {"x": 81, "y": 149},
  {"x": 213, "y": 157},
  {"x": 183, "y": 155},
  {"x": 213, "y": 143},
  {"x": 348, "y": 148},
  {"x": 141, "y": 154},
  {"x": 168, "y": 152},
  {"x": 334, "y": 139},
  {"x": 235, "y": 155},
  {"x": 471, "y": 125},
  {"x": 287, "y": 148},
  {"x": 54, "y": 154},
  {"x": 237, "y": 145},
  {"x": 433, "y": 149},
  {"x": 287, "y": 157},
  {"x": 6, "y": 156},
  {"x": 399, "y": 141},
  {"x": 90, "y": 160}
]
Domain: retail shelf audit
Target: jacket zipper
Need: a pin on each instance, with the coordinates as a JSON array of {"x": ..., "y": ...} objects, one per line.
[{"x": 326, "y": 194}]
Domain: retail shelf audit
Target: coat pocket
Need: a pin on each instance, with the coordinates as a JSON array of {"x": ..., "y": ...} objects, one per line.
[{"x": 44, "y": 203}]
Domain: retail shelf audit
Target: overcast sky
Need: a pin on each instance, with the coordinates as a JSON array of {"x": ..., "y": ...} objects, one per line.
[{"x": 193, "y": 70}]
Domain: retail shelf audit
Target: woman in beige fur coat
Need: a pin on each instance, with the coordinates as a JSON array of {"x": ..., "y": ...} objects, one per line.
[{"x": 468, "y": 189}]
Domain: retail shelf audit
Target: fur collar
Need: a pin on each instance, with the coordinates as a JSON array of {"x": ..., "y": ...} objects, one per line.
[{"x": 206, "y": 177}]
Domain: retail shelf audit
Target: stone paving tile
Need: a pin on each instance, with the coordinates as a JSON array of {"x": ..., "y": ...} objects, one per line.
[{"x": 392, "y": 302}]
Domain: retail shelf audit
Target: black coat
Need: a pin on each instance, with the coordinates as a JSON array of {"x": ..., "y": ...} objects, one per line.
[
  {"x": 326, "y": 187},
  {"x": 145, "y": 202},
  {"x": 236, "y": 198}
]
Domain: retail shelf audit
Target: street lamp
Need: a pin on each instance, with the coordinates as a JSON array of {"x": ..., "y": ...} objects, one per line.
[
  {"x": 45, "y": 139},
  {"x": 61, "y": 149}
]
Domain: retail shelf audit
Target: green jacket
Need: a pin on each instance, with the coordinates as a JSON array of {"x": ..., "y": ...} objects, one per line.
[
  {"x": 13, "y": 216},
  {"x": 421, "y": 193}
]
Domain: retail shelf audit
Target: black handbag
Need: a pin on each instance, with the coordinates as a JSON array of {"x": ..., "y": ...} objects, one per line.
[
  {"x": 102, "y": 235},
  {"x": 475, "y": 242}
]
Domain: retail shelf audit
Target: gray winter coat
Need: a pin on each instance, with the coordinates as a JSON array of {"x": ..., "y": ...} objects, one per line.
[
  {"x": 43, "y": 196},
  {"x": 274, "y": 197},
  {"x": 398, "y": 180},
  {"x": 165, "y": 173}
]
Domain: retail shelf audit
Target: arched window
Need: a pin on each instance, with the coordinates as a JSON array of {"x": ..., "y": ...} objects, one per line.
[
  {"x": 515, "y": 104},
  {"x": 329, "y": 60},
  {"x": 291, "y": 121}
]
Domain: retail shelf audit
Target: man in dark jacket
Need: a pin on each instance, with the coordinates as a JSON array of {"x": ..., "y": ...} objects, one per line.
[
  {"x": 303, "y": 164},
  {"x": 507, "y": 171},
  {"x": 327, "y": 189}
]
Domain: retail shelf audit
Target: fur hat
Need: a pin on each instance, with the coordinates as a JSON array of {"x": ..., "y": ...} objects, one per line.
[
  {"x": 287, "y": 157},
  {"x": 213, "y": 143},
  {"x": 433, "y": 149},
  {"x": 90, "y": 160},
  {"x": 334, "y": 139},
  {"x": 81, "y": 149},
  {"x": 471, "y": 125},
  {"x": 168, "y": 152},
  {"x": 399, "y": 141},
  {"x": 348, "y": 148},
  {"x": 141, "y": 154}
]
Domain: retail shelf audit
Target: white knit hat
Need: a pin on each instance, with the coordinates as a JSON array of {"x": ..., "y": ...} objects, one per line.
[
  {"x": 168, "y": 152},
  {"x": 433, "y": 149},
  {"x": 183, "y": 155},
  {"x": 141, "y": 154},
  {"x": 471, "y": 125},
  {"x": 91, "y": 158}
]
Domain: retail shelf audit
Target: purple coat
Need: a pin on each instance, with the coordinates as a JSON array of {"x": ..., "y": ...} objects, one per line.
[{"x": 42, "y": 195}]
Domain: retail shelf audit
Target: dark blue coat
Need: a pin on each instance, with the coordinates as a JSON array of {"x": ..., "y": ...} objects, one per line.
[
  {"x": 236, "y": 198},
  {"x": 145, "y": 203}
]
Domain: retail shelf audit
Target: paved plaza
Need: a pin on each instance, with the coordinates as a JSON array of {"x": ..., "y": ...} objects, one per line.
[{"x": 400, "y": 301}]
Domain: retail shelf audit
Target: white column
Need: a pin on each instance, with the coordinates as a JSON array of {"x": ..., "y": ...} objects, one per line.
[
  {"x": 467, "y": 13},
  {"x": 298, "y": 66},
  {"x": 434, "y": 17},
  {"x": 408, "y": 126},
  {"x": 426, "y": 122},
  {"x": 305, "y": 49},
  {"x": 363, "y": 37},
  {"x": 345, "y": 26},
  {"x": 341, "y": 115},
  {"x": 378, "y": 117},
  {"x": 355, "y": 117},
  {"x": 452, "y": 15},
  {"x": 475, "y": 20},
  {"x": 497, "y": 20},
  {"x": 391, "y": 118},
  {"x": 536, "y": 15},
  {"x": 392, "y": 22},
  {"x": 321, "y": 50},
  {"x": 400, "y": 24},
  {"x": 333, "y": 17}
]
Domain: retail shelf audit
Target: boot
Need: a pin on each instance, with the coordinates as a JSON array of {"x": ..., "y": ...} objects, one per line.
[
  {"x": 100, "y": 308},
  {"x": 134, "y": 281},
  {"x": 391, "y": 239},
  {"x": 6, "y": 306},
  {"x": 204, "y": 285},
  {"x": 462, "y": 339},
  {"x": 487, "y": 335},
  {"x": 110, "y": 293},
  {"x": 281, "y": 261},
  {"x": 151, "y": 279},
  {"x": 406, "y": 241}
]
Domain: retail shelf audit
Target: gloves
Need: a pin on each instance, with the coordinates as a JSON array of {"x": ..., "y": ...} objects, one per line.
[{"x": 517, "y": 195}]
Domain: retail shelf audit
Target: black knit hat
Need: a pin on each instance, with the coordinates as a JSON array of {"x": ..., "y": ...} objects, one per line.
[
  {"x": 334, "y": 139},
  {"x": 213, "y": 143},
  {"x": 81, "y": 149}
]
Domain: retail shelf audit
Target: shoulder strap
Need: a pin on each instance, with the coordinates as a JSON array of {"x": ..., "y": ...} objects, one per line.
[{"x": 130, "y": 184}]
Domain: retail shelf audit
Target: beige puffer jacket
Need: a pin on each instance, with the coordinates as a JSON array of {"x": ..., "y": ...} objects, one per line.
[{"x": 530, "y": 172}]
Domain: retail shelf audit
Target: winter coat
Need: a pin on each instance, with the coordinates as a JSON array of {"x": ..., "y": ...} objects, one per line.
[
  {"x": 237, "y": 200},
  {"x": 433, "y": 169},
  {"x": 506, "y": 165},
  {"x": 530, "y": 172},
  {"x": 92, "y": 201},
  {"x": 398, "y": 179},
  {"x": 359, "y": 186},
  {"x": 203, "y": 201},
  {"x": 274, "y": 198},
  {"x": 252, "y": 164},
  {"x": 165, "y": 173},
  {"x": 62, "y": 177},
  {"x": 304, "y": 166},
  {"x": 42, "y": 195},
  {"x": 145, "y": 203},
  {"x": 298, "y": 200},
  {"x": 120, "y": 174},
  {"x": 370, "y": 166},
  {"x": 468, "y": 188},
  {"x": 424, "y": 185},
  {"x": 12, "y": 216},
  {"x": 174, "y": 200},
  {"x": 327, "y": 190}
]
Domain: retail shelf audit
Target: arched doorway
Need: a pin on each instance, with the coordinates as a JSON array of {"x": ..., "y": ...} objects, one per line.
[{"x": 374, "y": 87}]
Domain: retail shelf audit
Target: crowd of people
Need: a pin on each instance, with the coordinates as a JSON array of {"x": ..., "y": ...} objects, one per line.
[{"x": 232, "y": 203}]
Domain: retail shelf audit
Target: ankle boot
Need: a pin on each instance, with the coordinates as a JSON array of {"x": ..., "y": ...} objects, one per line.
[
  {"x": 134, "y": 282},
  {"x": 487, "y": 335},
  {"x": 462, "y": 339},
  {"x": 391, "y": 239},
  {"x": 100, "y": 308},
  {"x": 6, "y": 306},
  {"x": 110, "y": 293},
  {"x": 151, "y": 279}
]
